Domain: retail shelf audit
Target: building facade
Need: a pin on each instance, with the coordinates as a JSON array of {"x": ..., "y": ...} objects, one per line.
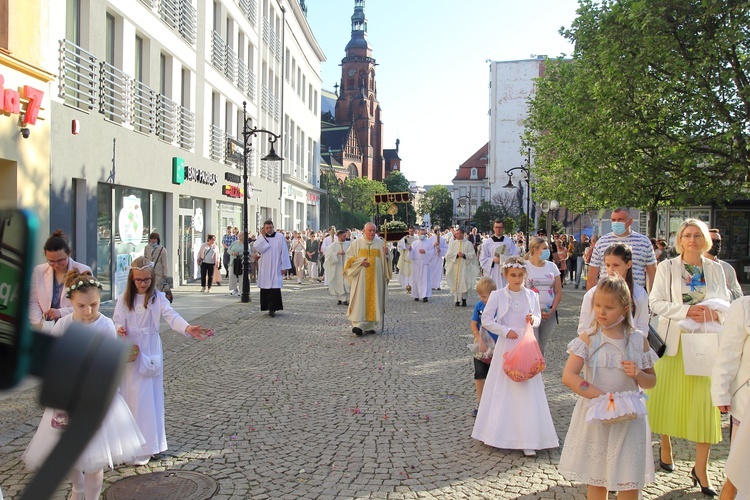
[
  {"x": 470, "y": 187},
  {"x": 150, "y": 105}
]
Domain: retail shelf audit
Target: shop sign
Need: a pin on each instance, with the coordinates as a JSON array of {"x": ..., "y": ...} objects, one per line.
[
  {"x": 231, "y": 191},
  {"x": 313, "y": 198},
  {"x": 230, "y": 177},
  {"x": 294, "y": 192},
  {"x": 10, "y": 102},
  {"x": 200, "y": 176}
]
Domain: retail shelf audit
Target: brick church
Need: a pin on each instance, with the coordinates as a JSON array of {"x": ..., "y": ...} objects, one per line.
[{"x": 352, "y": 129}]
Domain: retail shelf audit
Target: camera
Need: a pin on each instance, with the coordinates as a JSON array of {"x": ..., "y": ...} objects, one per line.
[{"x": 25, "y": 132}]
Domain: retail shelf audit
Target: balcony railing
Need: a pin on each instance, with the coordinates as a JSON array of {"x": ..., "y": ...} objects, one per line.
[
  {"x": 272, "y": 40},
  {"x": 218, "y": 52},
  {"x": 79, "y": 73},
  {"x": 187, "y": 129},
  {"x": 144, "y": 108},
  {"x": 113, "y": 93},
  {"x": 230, "y": 68},
  {"x": 169, "y": 10},
  {"x": 217, "y": 144},
  {"x": 250, "y": 10},
  {"x": 167, "y": 119},
  {"x": 188, "y": 22},
  {"x": 266, "y": 30},
  {"x": 264, "y": 98}
]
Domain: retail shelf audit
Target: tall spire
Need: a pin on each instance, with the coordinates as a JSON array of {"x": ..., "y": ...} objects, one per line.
[{"x": 359, "y": 21}]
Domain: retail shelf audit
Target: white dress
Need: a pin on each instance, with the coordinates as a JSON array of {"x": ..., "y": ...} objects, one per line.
[
  {"x": 618, "y": 455},
  {"x": 514, "y": 415},
  {"x": 117, "y": 441},
  {"x": 145, "y": 394}
]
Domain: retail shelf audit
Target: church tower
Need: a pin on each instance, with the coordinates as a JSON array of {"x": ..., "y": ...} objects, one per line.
[{"x": 357, "y": 104}]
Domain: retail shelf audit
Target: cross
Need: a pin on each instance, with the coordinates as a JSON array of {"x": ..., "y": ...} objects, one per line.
[{"x": 336, "y": 88}]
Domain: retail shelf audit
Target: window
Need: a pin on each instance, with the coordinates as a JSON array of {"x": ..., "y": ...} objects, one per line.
[
  {"x": 473, "y": 173},
  {"x": 4, "y": 24},
  {"x": 287, "y": 60},
  {"x": 138, "y": 58},
  {"x": 72, "y": 21},
  {"x": 109, "y": 49}
]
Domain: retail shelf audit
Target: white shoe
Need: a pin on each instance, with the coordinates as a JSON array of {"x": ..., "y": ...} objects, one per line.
[
  {"x": 529, "y": 453},
  {"x": 208, "y": 291},
  {"x": 142, "y": 460}
]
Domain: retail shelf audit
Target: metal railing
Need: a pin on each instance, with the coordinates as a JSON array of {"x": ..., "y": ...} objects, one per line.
[
  {"x": 264, "y": 98},
  {"x": 167, "y": 119},
  {"x": 169, "y": 10},
  {"x": 217, "y": 144},
  {"x": 266, "y": 29},
  {"x": 241, "y": 76},
  {"x": 230, "y": 64},
  {"x": 79, "y": 72},
  {"x": 144, "y": 107},
  {"x": 188, "y": 22},
  {"x": 113, "y": 93},
  {"x": 251, "y": 84},
  {"x": 252, "y": 15},
  {"x": 218, "y": 52},
  {"x": 276, "y": 108},
  {"x": 148, "y": 3},
  {"x": 278, "y": 48},
  {"x": 187, "y": 129},
  {"x": 272, "y": 40}
]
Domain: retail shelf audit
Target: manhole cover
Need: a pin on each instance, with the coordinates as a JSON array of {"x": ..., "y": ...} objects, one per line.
[{"x": 167, "y": 485}]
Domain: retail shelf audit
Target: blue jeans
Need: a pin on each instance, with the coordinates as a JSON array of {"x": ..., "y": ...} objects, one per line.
[{"x": 579, "y": 270}]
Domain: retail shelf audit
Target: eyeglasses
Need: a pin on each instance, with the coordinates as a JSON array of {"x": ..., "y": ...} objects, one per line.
[
  {"x": 57, "y": 261},
  {"x": 145, "y": 281},
  {"x": 692, "y": 236}
]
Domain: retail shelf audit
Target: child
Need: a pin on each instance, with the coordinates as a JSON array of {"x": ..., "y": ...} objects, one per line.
[
  {"x": 513, "y": 415},
  {"x": 484, "y": 288},
  {"x": 613, "y": 456},
  {"x": 618, "y": 259},
  {"x": 137, "y": 315},
  {"x": 118, "y": 439}
]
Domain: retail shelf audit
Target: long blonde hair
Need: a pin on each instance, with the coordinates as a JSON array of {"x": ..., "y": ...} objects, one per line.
[{"x": 534, "y": 243}]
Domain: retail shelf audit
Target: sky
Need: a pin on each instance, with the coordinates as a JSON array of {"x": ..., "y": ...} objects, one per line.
[{"x": 432, "y": 74}]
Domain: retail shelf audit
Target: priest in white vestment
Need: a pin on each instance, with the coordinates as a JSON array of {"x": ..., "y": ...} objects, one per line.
[
  {"x": 461, "y": 268},
  {"x": 404, "y": 262},
  {"x": 330, "y": 238},
  {"x": 368, "y": 268},
  {"x": 422, "y": 255},
  {"x": 441, "y": 246},
  {"x": 273, "y": 261},
  {"x": 495, "y": 250},
  {"x": 334, "y": 267}
]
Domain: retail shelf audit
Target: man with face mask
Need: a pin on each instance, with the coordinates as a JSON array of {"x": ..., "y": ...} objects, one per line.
[
  {"x": 422, "y": 254},
  {"x": 404, "y": 263},
  {"x": 735, "y": 290},
  {"x": 273, "y": 261},
  {"x": 644, "y": 259}
]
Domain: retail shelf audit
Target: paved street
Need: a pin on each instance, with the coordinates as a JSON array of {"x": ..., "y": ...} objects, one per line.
[{"x": 298, "y": 407}]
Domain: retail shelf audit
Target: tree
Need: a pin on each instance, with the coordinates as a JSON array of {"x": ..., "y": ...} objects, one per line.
[
  {"x": 437, "y": 202},
  {"x": 397, "y": 183},
  {"x": 652, "y": 111},
  {"x": 358, "y": 196}
]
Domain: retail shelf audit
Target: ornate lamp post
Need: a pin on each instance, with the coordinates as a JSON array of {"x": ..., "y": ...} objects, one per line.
[
  {"x": 247, "y": 133},
  {"x": 527, "y": 178},
  {"x": 464, "y": 201}
]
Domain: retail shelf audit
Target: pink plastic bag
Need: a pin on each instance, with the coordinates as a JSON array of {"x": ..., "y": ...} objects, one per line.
[{"x": 525, "y": 360}]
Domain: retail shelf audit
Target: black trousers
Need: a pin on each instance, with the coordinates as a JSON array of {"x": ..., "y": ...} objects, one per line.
[
  {"x": 207, "y": 271},
  {"x": 270, "y": 299}
]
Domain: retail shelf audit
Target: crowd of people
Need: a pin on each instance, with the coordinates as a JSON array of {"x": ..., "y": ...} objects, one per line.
[{"x": 519, "y": 281}]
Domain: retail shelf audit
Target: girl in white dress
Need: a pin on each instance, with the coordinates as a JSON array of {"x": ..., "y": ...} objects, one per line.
[
  {"x": 118, "y": 439},
  {"x": 513, "y": 415},
  {"x": 137, "y": 316},
  {"x": 617, "y": 455}
]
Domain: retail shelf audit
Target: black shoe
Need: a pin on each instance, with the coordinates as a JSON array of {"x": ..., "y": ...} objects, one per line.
[
  {"x": 438, "y": 288},
  {"x": 357, "y": 331},
  {"x": 463, "y": 302},
  {"x": 458, "y": 303},
  {"x": 370, "y": 332},
  {"x": 424, "y": 299},
  {"x": 346, "y": 302},
  {"x": 272, "y": 313},
  {"x": 416, "y": 300},
  {"x": 706, "y": 490},
  {"x": 667, "y": 467},
  {"x": 340, "y": 302}
]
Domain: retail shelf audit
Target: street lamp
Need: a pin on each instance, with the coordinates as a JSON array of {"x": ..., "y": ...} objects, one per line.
[
  {"x": 527, "y": 177},
  {"x": 248, "y": 132},
  {"x": 464, "y": 201}
]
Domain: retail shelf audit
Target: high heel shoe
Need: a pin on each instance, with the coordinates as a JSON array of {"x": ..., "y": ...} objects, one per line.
[
  {"x": 706, "y": 490},
  {"x": 667, "y": 467}
]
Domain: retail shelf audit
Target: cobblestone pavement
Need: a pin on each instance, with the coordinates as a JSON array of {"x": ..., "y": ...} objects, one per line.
[{"x": 298, "y": 407}]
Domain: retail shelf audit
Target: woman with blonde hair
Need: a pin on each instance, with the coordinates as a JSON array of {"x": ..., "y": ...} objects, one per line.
[
  {"x": 543, "y": 277},
  {"x": 680, "y": 405}
]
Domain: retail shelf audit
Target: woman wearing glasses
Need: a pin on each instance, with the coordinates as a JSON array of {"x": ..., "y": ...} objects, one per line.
[
  {"x": 680, "y": 405},
  {"x": 137, "y": 317},
  {"x": 47, "y": 301}
]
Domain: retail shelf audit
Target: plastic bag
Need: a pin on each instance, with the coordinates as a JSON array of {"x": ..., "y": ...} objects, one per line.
[
  {"x": 525, "y": 360},
  {"x": 483, "y": 347}
]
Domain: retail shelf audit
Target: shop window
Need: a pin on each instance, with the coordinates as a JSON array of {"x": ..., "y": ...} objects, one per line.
[{"x": 734, "y": 227}]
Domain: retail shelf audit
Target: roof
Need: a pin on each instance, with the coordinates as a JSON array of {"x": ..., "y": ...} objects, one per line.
[
  {"x": 391, "y": 154},
  {"x": 334, "y": 137},
  {"x": 479, "y": 161}
]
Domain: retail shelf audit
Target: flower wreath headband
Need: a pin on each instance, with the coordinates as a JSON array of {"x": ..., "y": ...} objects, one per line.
[
  {"x": 143, "y": 268},
  {"x": 91, "y": 282},
  {"x": 513, "y": 264}
]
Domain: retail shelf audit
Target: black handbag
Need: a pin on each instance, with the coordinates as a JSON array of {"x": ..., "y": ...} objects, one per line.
[
  {"x": 167, "y": 292},
  {"x": 656, "y": 342},
  {"x": 237, "y": 266}
]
